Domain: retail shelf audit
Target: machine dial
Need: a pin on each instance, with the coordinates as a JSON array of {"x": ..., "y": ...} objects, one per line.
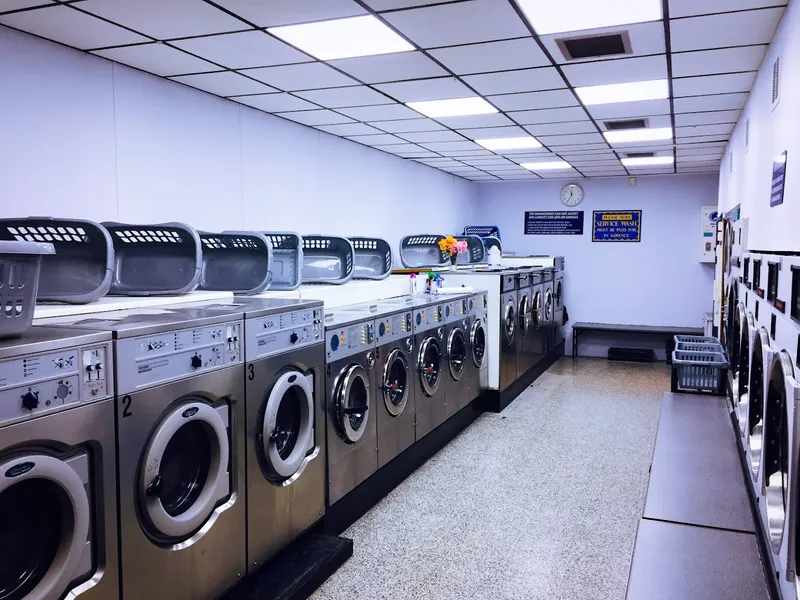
[
  {"x": 293, "y": 338},
  {"x": 334, "y": 342},
  {"x": 196, "y": 362},
  {"x": 447, "y": 310},
  {"x": 382, "y": 329},
  {"x": 30, "y": 400},
  {"x": 63, "y": 390},
  {"x": 419, "y": 319}
]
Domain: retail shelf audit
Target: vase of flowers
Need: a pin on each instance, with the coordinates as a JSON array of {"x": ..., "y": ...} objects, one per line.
[{"x": 452, "y": 247}]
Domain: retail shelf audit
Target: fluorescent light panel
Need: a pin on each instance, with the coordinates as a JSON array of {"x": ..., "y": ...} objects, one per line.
[
  {"x": 623, "y": 136},
  {"x": 513, "y": 143},
  {"x": 547, "y": 166},
  {"x": 656, "y": 89},
  {"x": 455, "y": 107},
  {"x": 343, "y": 38},
  {"x": 578, "y": 15},
  {"x": 647, "y": 160}
]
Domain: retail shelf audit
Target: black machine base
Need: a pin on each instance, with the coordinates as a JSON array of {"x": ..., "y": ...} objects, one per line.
[
  {"x": 496, "y": 401},
  {"x": 641, "y": 355},
  {"x": 297, "y": 572}
]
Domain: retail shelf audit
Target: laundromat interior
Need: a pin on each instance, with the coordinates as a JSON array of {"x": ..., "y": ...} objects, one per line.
[{"x": 399, "y": 299}]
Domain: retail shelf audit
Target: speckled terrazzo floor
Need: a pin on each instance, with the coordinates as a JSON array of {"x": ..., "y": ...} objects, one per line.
[{"x": 541, "y": 501}]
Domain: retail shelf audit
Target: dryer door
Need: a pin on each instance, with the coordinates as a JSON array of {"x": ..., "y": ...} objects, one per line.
[
  {"x": 287, "y": 427},
  {"x": 456, "y": 353},
  {"x": 557, "y": 296},
  {"x": 429, "y": 364},
  {"x": 524, "y": 314},
  {"x": 509, "y": 322},
  {"x": 352, "y": 403},
  {"x": 44, "y": 525},
  {"x": 477, "y": 342},
  {"x": 184, "y": 471},
  {"x": 395, "y": 382}
]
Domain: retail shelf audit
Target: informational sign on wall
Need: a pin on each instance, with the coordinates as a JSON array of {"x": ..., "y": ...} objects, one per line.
[
  {"x": 554, "y": 222},
  {"x": 617, "y": 226},
  {"x": 778, "y": 180}
]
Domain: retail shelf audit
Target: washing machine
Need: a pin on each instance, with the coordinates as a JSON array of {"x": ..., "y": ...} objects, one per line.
[
  {"x": 538, "y": 338},
  {"x": 180, "y": 421},
  {"x": 748, "y": 335},
  {"x": 351, "y": 394},
  {"x": 58, "y": 509},
  {"x": 456, "y": 340},
  {"x": 430, "y": 364},
  {"x": 549, "y": 307},
  {"x": 734, "y": 349},
  {"x": 558, "y": 306},
  {"x": 476, "y": 342},
  {"x": 509, "y": 325},
  {"x": 525, "y": 329}
]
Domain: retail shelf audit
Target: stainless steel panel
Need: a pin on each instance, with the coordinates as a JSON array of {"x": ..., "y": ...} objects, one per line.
[
  {"x": 430, "y": 410},
  {"x": 395, "y": 433}
]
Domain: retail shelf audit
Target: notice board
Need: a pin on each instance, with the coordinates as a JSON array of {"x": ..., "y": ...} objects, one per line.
[
  {"x": 617, "y": 226},
  {"x": 554, "y": 222}
]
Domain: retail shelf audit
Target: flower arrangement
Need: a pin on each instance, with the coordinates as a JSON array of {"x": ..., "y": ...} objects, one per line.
[{"x": 453, "y": 247}]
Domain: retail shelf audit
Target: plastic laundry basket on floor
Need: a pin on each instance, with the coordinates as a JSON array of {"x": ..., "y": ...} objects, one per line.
[{"x": 20, "y": 264}]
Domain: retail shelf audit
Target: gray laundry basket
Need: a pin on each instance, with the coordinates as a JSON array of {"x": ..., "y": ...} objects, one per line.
[
  {"x": 82, "y": 267},
  {"x": 20, "y": 263},
  {"x": 702, "y": 371},
  {"x": 287, "y": 258},
  {"x": 422, "y": 250},
  {"x": 373, "y": 258},
  {"x": 476, "y": 251},
  {"x": 235, "y": 261},
  {"x": 155, "y": 260},
  {"x": 327, "y": 259}
]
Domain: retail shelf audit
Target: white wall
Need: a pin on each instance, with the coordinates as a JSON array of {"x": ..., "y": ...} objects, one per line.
[
  {"x": 87, "y": 138},
  {"x": 771, "y": 132},
  {"x": 658, "y": 281}
]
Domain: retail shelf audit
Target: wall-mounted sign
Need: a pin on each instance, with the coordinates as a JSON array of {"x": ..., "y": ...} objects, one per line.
[
  {"x": 617, "y": 226},
  {"x": 778, "y": 180},
  {"x": 554, "y": 222}
]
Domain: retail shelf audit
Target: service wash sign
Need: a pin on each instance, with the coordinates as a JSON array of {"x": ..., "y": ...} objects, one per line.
[{"x": 617, "y": 226}]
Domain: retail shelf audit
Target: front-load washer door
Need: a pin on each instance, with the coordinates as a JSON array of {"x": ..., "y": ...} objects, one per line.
[
  {"x": 762, "y": 358},
  {"x": 477, "y": 342},
  {"x": 184, "y": 470},
  {"x": 395, "y": 382},
  {"x": 524, "y": 314},
  {"x": 429, "y": 364},
  {"x": 536, "y": 310},
  {"x": 548, "y": 305},
  {"x": 44, "y": 525},
  {"x": 351, "y": 402},
  {"x": 456, "y": 353},
  {"x": 287, "y": 426},
  {"x": 509, "y": 322},
  {"x": 558, "y": 299}
]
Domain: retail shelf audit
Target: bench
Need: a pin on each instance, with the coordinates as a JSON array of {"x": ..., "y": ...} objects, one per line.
[{"x": 666, "y": 331}]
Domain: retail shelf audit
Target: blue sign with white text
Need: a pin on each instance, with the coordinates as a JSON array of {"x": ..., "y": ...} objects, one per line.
[
  {"x": 617, "y": 226},
  {"x": 553, "y": 222},
  {"x": 778, "y": 180}
]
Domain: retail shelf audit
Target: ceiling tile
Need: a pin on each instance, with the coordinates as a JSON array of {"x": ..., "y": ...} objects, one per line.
[
  {"x": 713, "y": 84},
  {"x": 316, "y": 117},
  {"x": 483, "y": 162},
  {"x": 594, "y": 164},
  {"x": 359, "y": 95},
  {"x": 475, "y": 121},
  {"x": 70, "y": 27},
  {"x": 695, "y": 158},
  {"x": 392, "y": 4},
  {"x": 432, "y": 136},
  {"x": 390, "y": 67},
  {"x": 514, "y": 154},
  {"x": 643, "y": 68},
  {"x": 157, "y": 58},
  {"x": 386, "y": 112},
  {"x": 225, "y": 83},
  {"x": 701, "y": 139},
  {"x": 245, "y": 49},
  {"x": 730, "y": 29},
  {"x": 459, "y": 23},
  {"x": 562, "y": 128},
  {"x": 646, "y": 39},
  {"x": 703, "y": 130},
  {"x": 9, "y": 5},
  {"x": 269, "y": 13},
  {"x": 349, "y": 129},
  {"x": 707, "y": 118},
  {"x": 165, "y": 20},
  {"x": 702, "y": 150},
  {"x": 534, "y": 100},
  {"x": 409, "y": 125},
  {"x": 550, "y": 115},
  {"x": 716, "y": 102},
  {"x": 426, "y": 89},
  {"x": 451, "y": 146},
  {"x": 482, "y": 133},
  {"x": 412, "y": 154},
  {"x": 572, "y": 140},
  {"x": 276, "y": 102},
  {"x": 494, "y": 56},
  {"x": 687, "y": 8},
  {"x": 466, "y": 154},
  {"x": 578, "y": 147},
  {"x": 725, "y": 60},
  {"x": 381, "y": 139},
  {"x": 307, "y": 76},
  {"x": 624, "y": 110},
  {"x": 441, "y": 162},
  {"x": 508, "y": 82}
]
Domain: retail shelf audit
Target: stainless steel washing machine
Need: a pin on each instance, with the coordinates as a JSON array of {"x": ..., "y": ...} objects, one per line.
[
  {"x": 351, "y": 400},
  {"x": 509, "y": 324},
  {"x": 538, "y": 339},
  {"x": 549, "y": 307},
  {"x": 525, "y": 329},
  {"x": 58, "y": 509},
  {"x": 558, "y": 306},
  {"x": 430, "y": 364},
  {"x": 456, "y": 341},
  {"x": 478, "y": 339}
]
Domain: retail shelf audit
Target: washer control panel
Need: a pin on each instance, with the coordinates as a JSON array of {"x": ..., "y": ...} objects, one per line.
[
  {"x": 36, "y": 384},
  {"x": 150, "y": 360},
  {"x": 282, "y": 332},
  {"x": 347, "y": 340},
  {"x": 427, "y": 317},
  {"x": 394, "y": 327}
]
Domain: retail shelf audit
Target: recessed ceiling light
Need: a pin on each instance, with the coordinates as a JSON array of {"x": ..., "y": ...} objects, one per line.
[
  {"x": 649, "y": 160},
  {"x": 657, "y": 89},
  {"x": 547, "y": 166},
  {"x": 638, "y": 135},
  {"x": 577, "y": 15},
  {"x": 343, "y": 38},
  {"x": 455, "y": 107},
  {"x": 512, "y": 143}
]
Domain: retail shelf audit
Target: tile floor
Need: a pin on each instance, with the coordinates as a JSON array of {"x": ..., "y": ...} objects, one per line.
[{"x": 541, "y": 501}]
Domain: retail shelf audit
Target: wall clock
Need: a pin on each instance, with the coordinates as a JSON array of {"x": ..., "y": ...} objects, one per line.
[{"x": 572, "y": 195}]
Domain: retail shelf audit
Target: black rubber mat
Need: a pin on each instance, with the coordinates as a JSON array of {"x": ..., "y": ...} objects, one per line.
[{"x": 297, "y": 572}]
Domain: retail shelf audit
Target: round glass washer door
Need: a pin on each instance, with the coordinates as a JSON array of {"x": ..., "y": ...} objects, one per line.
[
  {"x": 44, "y": 526},
  {"x": 558, "y": 298},
  {"x": 184, "y": 472},
  {"x": 536, "y": 310},
  {"x": 456, "y": 353},
  {"x": 477, "y": 338},
  {"x": 430, "y": 365},
  {"x": 509, "y": 322},
  {"x": 351, "y": 400},
  {"x": 755, "y": 416},
  {"x": 395, "y": 382},
  {"x": 287, "y": 429},
  {"x": 548, "y": 305},
  {"x": 524, "y": 314}
]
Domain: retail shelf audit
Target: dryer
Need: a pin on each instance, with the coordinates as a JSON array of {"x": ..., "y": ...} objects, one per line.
[
  {"x": 58, "y": 509},
  {"x": 430, "y": 364},
  {"x": 456, "y": 339},
  {"x": 509, "y": 326},
  {"x": 350, "y": 400},
  {"x": 525, "y": 329}
]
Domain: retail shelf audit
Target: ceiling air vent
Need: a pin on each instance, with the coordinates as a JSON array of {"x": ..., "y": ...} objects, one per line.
[
  {"x": 593, "y": 46},
  {"x": 628, "y": 124},
  {"x": 776, "y": 81},
  {"x": 640, "y": 154}
]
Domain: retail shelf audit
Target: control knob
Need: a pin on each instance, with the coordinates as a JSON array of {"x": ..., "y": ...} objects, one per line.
[
  {"x": 196, "y": 362},
  {"x": 30, "y": 400},
  {"x": 293, "y": 338}
]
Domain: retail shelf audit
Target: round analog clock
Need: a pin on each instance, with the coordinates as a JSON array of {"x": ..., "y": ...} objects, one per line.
[{"x": 572, "y": 194}]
